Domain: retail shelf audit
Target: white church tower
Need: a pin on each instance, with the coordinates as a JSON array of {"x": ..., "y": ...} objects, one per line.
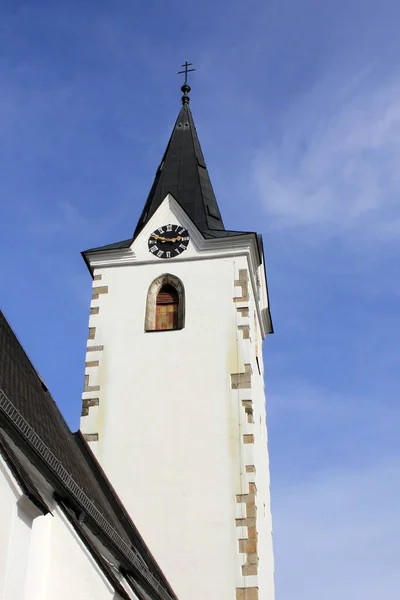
[{"x": 174, "y": 404}]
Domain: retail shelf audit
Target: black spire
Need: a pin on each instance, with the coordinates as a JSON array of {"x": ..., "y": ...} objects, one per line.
[{"x": 183, "y": 173}]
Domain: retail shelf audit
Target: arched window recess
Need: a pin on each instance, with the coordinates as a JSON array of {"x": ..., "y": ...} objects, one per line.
[{"x": 165, "y": 305}]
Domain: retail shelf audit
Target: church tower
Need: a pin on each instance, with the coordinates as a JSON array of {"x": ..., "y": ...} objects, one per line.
[{"x": 173, "y": 403}]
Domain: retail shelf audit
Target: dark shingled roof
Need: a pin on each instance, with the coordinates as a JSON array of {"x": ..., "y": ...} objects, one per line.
[
  {"x": 23, "y": 386},
  {"x": 21, "y": 383},
  {"x": 114, "y": 246},
  {"x": 207, "y": 234},
  {"x": 183, "y": 173},
  {"x": 22, "y": 476},
  {"x": 100, "y": 560}
]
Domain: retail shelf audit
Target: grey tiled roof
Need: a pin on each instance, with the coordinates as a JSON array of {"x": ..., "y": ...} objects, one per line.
[
  {"x": 114, "y": 246},
  {"x": 22, "y": 385},
  {"x": 183, "y": 173},
  {"x": 26, "y": 390},
  {"x": 207, "y": 233},
  {"x": 22, "y": 476}
]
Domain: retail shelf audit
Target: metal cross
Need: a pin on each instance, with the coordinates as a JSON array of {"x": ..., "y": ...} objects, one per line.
[{"x": 186, "y": 71}]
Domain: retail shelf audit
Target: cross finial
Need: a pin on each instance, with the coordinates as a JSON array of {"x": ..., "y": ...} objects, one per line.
[
  {"x": 186, "y": 70},
  {"x": 186, "y": 87}
]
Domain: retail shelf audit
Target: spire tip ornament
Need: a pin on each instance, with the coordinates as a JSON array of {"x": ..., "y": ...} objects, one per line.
[{"x": 186, "y": 87}]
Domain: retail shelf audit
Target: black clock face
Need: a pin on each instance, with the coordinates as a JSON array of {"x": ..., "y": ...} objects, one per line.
[{"x": 168, "y": 241}]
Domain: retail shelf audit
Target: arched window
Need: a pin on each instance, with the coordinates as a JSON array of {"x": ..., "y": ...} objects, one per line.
[{"x": 165, "y": 306}]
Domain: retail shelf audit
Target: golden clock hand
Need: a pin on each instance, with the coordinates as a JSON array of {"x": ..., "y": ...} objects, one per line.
[{"x": 163, "y": 239}]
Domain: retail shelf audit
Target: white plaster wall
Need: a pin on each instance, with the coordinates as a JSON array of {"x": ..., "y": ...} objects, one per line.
[
  {"x": 261, "y": 453},
  {"x": 18, "y": 555},
  {"x": 41, "y": 557},
  {"x": 264, "y": 519},
  {"x": 168, "y": 430},
  {"x": 164, "y": 438},
  {"x": 255, "y": 454},
  {"x": 9, "y": 494},
  {"x": 72, "y": 572}
]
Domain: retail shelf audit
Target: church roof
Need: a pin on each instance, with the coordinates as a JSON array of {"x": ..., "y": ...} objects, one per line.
[
  {"x": 31, "y": 419},
  {"x": 22, "y": 476},
  {"x": 183, "y": 173}
]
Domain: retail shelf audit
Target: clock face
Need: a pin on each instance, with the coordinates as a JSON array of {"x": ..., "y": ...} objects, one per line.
[{"x": 168, "y": 241}]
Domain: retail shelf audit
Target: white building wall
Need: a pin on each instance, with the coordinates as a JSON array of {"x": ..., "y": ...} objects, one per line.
[
  {"x": 41, "y": 556},
  {"x": 37, "y": 577},
  {"x": 254, "y": 526},
  {"x": 167, "y": 421},
  {"x": 264, "y": 520},
  {"x": 18, "y": 554},
  {"x": 72, "y": 572},
  {"x": 9, "y": 494}
]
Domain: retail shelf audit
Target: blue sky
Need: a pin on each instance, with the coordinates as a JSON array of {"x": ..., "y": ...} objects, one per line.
[{"x": 297, "y": 108}]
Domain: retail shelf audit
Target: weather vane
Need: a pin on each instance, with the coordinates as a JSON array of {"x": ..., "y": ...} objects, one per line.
[{"x": 186, "y": 87}]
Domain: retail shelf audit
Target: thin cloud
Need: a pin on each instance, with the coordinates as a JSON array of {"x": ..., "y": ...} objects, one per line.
[
  {"x": 336, "y": 166},
  {"x": 338, "y": 535}
]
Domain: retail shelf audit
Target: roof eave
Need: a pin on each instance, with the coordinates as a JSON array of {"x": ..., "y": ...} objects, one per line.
[
  {"x": 87, "y": 263},
  {"x": 22, "y": 437},
  {"x": 104, "y": 482}
]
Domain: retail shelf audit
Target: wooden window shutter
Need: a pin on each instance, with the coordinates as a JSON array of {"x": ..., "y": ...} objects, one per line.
[{"x": 167, "y": 305}]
